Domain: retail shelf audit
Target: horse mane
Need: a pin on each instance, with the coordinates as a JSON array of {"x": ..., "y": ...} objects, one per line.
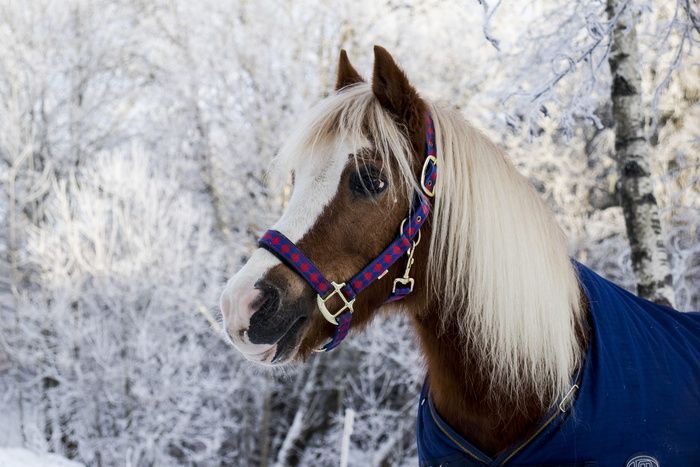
[
  {"x": 501, "y": 263},
  {"x": 498, "y": 260}
]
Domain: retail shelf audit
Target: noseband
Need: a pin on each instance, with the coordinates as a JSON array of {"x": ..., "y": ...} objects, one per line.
[{"x": 404, "y": 244}]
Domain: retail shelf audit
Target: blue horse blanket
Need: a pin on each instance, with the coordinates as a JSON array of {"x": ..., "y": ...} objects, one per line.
[{"x": 637, "y": 405}]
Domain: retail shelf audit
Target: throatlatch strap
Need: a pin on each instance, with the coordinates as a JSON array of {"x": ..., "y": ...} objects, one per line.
[{"x": 399, "y": 293}]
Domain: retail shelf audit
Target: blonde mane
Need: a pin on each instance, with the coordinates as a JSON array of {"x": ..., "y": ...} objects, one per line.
[
  {"x": 498, "y": 260},
  {"x": 516, "y": 292}
]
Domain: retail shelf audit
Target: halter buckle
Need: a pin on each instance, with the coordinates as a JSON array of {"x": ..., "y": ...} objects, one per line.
[
  {"x": 428, "y": 190},
  {"x": 407, "y": 279},
  {"x": 321, "y": 302}
]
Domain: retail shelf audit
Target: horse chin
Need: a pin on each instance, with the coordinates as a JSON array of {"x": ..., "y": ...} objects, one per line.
[
  {"x": 264, "y": 358},
  {"x": 282, "y": 353},
  {"x": 273, "y": 357}
]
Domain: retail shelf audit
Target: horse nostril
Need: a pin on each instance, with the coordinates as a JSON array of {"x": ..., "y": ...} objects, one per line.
[{"x": 269, "y": 298}]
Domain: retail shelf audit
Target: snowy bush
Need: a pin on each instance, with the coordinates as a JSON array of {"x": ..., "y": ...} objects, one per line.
[{"x": 125, "y": 255}]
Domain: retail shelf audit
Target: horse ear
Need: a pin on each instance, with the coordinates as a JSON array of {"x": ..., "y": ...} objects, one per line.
[
  {"x": 391, "y": 87},
  {"x": 347, "y": 75}
]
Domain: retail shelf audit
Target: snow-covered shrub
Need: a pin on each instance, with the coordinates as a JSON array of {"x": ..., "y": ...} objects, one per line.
[{"x": 117, "y": 343}]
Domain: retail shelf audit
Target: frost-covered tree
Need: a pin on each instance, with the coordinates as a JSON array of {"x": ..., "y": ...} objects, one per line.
[
  {"x": 585, "y": 51},
  {"x": 632, "y": 153}
]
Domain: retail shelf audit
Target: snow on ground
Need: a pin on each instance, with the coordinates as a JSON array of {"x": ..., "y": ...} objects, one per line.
[
  {"x": 10, "y": 428},
  {"x": 20, "y": 457},
  {"x": 12, "y": 436}
]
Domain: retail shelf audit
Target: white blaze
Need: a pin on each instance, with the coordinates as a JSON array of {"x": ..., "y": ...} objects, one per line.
[{"x": 316, "y": 184}]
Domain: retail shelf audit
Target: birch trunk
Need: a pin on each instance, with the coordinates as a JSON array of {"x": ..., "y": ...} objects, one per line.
[
  {"x": 347, "y": 433},
  {"x": 632, "y": 154}
]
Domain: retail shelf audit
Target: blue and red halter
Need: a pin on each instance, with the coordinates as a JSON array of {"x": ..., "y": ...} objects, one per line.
[{"x": 404, "y": 244}]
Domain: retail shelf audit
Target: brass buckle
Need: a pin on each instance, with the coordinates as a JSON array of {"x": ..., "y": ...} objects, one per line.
[
  {"x": 321, "y": 302},
  {"x": 403, "y": 281},
  {"x": 428, "y": 191}
]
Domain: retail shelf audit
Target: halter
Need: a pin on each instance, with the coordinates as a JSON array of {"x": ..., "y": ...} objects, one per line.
[{"x": 404, "y": 244}]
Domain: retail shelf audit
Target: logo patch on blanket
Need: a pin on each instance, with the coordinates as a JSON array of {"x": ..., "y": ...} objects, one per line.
[{"x": 642, "y": 461}]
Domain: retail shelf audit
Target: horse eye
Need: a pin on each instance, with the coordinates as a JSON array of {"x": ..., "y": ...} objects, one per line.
[{"x": 367, "y": 181}]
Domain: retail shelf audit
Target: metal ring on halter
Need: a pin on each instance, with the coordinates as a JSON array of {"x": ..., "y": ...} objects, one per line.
[
  {"x": 430, "y": 191},
  {"x": 417, "y": 240}
]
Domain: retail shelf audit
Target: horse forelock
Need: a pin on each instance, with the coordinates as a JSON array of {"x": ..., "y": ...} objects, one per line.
[{"x": 349, "y": 118}]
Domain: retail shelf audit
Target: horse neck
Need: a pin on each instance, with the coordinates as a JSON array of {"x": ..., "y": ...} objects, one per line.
[
  {"x": 502, "y": 258},
  {"x": 461, "y": 388}
]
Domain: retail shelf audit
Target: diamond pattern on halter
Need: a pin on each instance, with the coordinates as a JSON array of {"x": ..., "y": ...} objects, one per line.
[
  {"x": 287, "y": 251},
  {"x": 279, "y": 245}
]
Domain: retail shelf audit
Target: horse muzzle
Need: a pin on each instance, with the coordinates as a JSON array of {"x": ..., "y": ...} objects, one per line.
[{"x": 263, "y": 319}]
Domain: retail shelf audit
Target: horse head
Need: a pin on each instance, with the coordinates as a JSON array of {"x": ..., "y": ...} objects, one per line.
[{"x": 356, "y": 161}]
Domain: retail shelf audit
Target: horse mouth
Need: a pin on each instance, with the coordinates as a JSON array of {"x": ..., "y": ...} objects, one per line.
[{"x": 288, "y": 342}]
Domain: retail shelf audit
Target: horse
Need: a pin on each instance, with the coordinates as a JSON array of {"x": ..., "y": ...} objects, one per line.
[{"x": 399, "y": 205}]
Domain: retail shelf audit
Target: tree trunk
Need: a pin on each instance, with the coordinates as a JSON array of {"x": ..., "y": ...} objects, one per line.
[{"x": 632, "y": 154}]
